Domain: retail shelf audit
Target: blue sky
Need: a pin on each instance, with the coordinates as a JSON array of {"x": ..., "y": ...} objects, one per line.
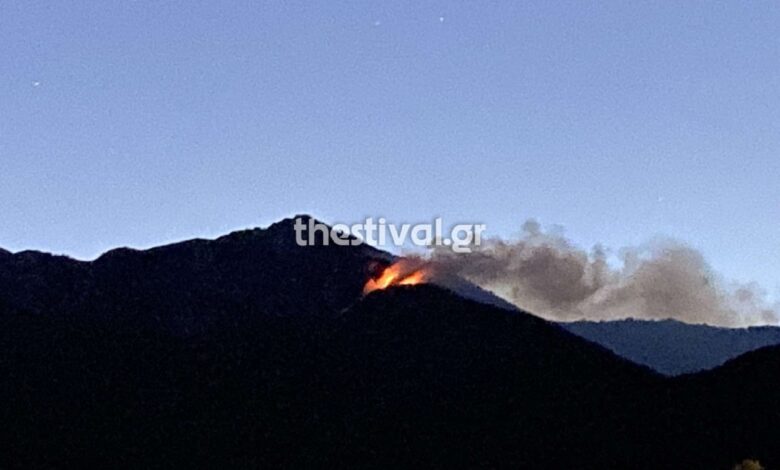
[{"x": 141, "y": 122}]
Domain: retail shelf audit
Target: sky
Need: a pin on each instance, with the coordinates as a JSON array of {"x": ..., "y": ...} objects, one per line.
[{"x": 136, "y": 123}]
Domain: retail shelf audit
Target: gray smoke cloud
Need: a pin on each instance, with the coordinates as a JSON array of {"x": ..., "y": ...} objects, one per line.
[{"x": 546, "y": 274}]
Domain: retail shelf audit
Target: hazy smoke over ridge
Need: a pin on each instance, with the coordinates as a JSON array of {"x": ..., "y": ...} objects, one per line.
[{"x": 545, "y": 274}]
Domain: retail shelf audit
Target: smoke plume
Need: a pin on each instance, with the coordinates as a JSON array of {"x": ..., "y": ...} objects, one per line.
[{"x": 546, "y": 274}]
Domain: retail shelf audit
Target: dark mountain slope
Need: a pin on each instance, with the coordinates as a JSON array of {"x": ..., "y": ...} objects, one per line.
[
  {"x": 251, "y": 352},
  {"x": 439, "y": 381},
  {"x": 673, "y": 347},
  {"x": 411, "y": 376},
  {"x": 733, "y": 410}
]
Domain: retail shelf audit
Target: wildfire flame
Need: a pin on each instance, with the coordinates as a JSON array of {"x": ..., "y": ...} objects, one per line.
[{"x": 401, "y": 273}]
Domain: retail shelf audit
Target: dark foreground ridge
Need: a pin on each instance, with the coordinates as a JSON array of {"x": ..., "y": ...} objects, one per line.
[{"x": 249, "y": 351}]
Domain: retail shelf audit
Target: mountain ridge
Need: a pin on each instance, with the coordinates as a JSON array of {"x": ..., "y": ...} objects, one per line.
[
  {"x": 673, "y": 347},
  {"x": 250, "y": 351}
]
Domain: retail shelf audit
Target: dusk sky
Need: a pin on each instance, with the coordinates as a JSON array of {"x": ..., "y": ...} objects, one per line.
[{"x": 136, "y": 123}]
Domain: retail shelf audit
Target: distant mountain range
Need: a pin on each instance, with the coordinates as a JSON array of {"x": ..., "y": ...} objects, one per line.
[
  {"x": 672, "y": 347},
  {"x": 249, "y": 351}
]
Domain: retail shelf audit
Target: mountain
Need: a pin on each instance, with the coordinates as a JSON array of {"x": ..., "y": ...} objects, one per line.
[
  {"x": 457, "y": 383},
  {"x": 731, "y": 407},
  {"x": 249, "y": 351},
  {"x": 175, "y": 286},
  {"x": 673, "y": 347}
]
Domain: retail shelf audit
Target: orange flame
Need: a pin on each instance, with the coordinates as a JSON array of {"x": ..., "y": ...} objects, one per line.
[{"x": 398, "y": 274}]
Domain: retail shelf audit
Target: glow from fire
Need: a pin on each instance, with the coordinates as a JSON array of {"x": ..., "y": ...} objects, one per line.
[{"x": 398, "y": 274}]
